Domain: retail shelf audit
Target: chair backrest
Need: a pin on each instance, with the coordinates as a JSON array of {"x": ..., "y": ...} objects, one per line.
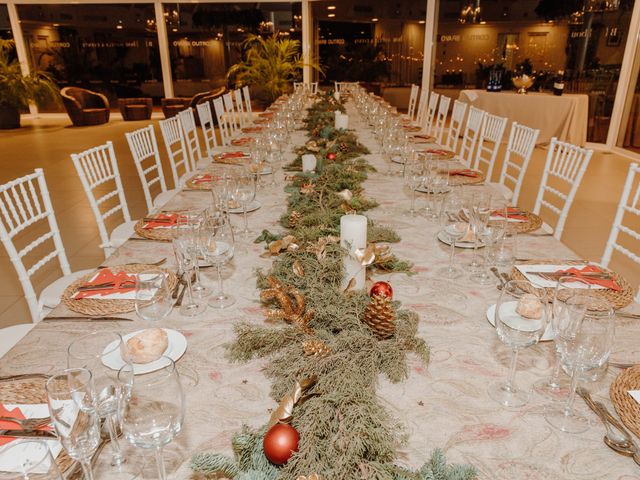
[
  {"x": 225, "y": 135},
  {"x": 247, "y": 102},
  {"x": 298, "y": 86},
  {"x": 191, "y": 140},
  {"x": 522, "y": 141},
  {"x": 230, "y": 114},
  {"x": 470, "y": 136},
  {"x": 98, "y": 171},
  {"x": 176, "y": 148},
  {"x": 455, "y": 124},
  {"x": 413, "y": 100},
  {"x": 208, "y": 127},
  {"x": 489, "y": 142},
  {"x": 441, "y": 118},
  {"x": 144, "y": 149},
  {"x": 564, "y": 169},
  {"x": 25, "y": 202},
  {"x": 237, "y": 94},
  {"x": 314, "y": 87},
  {"x": 421, "y": 115},
  {"x": 431, "y": 112},
  {"x": 626, "y": 220}
]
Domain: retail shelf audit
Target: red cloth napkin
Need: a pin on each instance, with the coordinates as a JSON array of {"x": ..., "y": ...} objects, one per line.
[
  {"x": 265, "y": 114},
  {"x": 241, "y": 141},
  {"x": 512, "y": 212},
  {"x": 423, "y": 137},
  {"x": 4, "y": 425},
  {"x": 204, "y": 178},
  {"x": 122, "y": 283},
  {"x": 438, "y": 151},
  {"x": 169, "y": 220},
  {"x": 251, "y": 129},
  {"x": 224, "y": 156},
  {"x": 464, "y": 173},
  {"x": 577, "y": 272}
]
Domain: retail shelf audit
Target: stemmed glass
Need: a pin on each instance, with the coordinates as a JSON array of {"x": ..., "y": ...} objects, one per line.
[
  {"x": 88, "y": 352},
  {"x": 72, "y": 405},
  {"x": 154, "y": 413},
  {"x": 187, "y": 225},
  {"x": 153, "y": 298},
  {"x": 584, "y": 338},
  {"x": 217, "y": 248},
  {"x": 187, "y": 259},
  {"x": 454, "y": 229},
  {"x": 413, "y": 174},
  {"x": 521, "y": 317},
  {"x": 244, "y": 193},
  {"x": 489, "y": 235},
  {"x": 39, "y": 465},
  {"x": 479, "y": 210},
  {"x": 555, "y": 386}
]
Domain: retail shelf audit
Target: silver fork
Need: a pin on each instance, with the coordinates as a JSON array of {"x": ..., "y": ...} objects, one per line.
[{"x": 28, "y": 423}]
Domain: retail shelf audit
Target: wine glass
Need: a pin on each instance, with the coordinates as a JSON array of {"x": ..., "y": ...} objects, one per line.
[
  {"x": 244, "y": 193},
  {"x": 479, "y": 210},
  {"x": 489, "y": 235},
  {"x": 89, "y": 351},
  {"x": 413, "y": 174},
  {"x": 187, "y": 226},
  {"x": 187, "y": 259},
  {"x": 584, "y": 338},
  {"x": 37, "y": 463},
  {"x": 154, "y": 413},
  {"x": 72, "y": 405},
  {"x": 153, "y": 298},
  {"x": 454, "y": 229},
  {"x": 555, "y": 386},
  {"x": 521, "y": 318},
  {"x": 217, "y": 248}
]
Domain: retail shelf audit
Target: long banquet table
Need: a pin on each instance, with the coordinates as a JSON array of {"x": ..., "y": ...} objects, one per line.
[{"x": 442, "y": 405}]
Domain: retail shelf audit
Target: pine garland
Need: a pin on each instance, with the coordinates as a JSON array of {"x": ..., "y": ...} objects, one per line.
[{"x": 344, "y": 431}]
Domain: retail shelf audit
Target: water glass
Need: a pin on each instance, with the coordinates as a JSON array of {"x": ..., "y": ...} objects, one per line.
[
  {"x": 153, "y": 298},
  {"x": 187, "y": 259},
  {"x": 39, "y": 464},
  {"x": 218, "y": 248},
  {"x": 244, "y": 193}
]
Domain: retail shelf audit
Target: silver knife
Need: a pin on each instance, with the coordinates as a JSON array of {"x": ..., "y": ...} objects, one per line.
[{"x": 27, "y": 433}]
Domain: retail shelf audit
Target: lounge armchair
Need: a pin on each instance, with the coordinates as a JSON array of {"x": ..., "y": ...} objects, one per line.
[{"x": 85, "y": 107}]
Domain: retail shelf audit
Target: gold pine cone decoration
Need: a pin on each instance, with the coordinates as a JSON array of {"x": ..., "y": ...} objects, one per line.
[
  {"x": 315, "y": 348},
  {"x": 294, "y": 218},
  {"x": 380, "y": 316}
]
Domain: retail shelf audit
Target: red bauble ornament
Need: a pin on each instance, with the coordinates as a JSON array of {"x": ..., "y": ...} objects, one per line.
[
  {"x": 331, "y": 156},
  {"x": 381, "y": 288},
  {"x": 280, "y": 442}
]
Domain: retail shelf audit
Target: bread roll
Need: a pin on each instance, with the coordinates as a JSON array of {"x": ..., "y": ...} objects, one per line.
[
  {"x": 147, "y": 346},
  {"x": 529, "y": 306}
]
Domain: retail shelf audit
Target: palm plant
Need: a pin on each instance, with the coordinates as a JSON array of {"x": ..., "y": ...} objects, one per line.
[
  {"x": 17, "y": 90},
  {"x": 271, "y": 63}
]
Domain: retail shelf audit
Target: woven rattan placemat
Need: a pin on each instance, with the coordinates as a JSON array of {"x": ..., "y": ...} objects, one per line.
[{"x": 628, "y": 409}]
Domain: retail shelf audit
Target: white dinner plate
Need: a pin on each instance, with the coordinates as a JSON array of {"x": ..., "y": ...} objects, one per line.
[
  {"x": 255, "y": 205},
  {"x": 491, "y": 318},
  {"x": 445, "y": 239},
  {"x": 176, "y": 348},
  {"x": 266, "y": 171}
]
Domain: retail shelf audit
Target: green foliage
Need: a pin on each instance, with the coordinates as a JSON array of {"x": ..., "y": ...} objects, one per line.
[
  {"x": 270, "y": 63},
  {"x": 16, "y": 89}
]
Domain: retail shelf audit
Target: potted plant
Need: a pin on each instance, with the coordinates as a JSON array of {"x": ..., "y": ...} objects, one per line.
[
  {"x": 270, "y": 63},
  {"x": 17, "y": 90}
]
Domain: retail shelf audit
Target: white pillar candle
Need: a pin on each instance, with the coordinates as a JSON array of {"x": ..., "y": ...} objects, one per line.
[
  {"x": 336, "y": 95},
  {"x": 308, "y": 162},
  {"x": 342, "y": 121},
  {"x": 353, "y": 235}
]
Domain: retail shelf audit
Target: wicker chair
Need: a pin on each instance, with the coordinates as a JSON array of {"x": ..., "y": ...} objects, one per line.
[
  {"x": 85, "y": 107},
  {"x": 135, "y": 108},
  {"x": 171, "y": 106}
]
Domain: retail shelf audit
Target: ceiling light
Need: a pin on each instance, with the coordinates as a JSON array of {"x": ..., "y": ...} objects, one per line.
[
  {"x": 374, "y": 19},
  {"x": 174, "y": 29},
  {"x": 331, "y": 7},
  {"x": 56, "y": 24},
  {"x": 331, "y": 15},
  {"x": 421, "y": 22}
]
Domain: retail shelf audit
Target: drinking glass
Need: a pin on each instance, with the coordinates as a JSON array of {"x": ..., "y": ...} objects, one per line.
[
  {"x": 454, "y": 229},
  {"x": 412, "y": 174},
  {"x": 187, "y": 260},
  {"x": 244, "y": 193},
  {"x": 72, "y": 405},
  {"x": 584, "y": 338},
  {"x": 39, "y": 464},
  {"x": 555, "y": 387},
  {"x": 218, "y": 246},
  {"x": 479, "y": 210},
  {"x": 187, "y": 225},
  {"x": 153, "y": 298},
  {"x": 490, "y": 235},
  {"x": 154, "y": 413},
  {"x": 89, "y": 352},
  {"x": 518, "y": 331}
]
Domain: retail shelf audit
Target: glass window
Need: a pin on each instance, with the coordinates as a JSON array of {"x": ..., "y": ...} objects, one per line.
[
  {"x": 537, "y": 36},
  {"x": 205, "y": 39},
  {"x": 5, "y": 25},
  {"x": 629, "y": 135},
  {"x": 111, "y": 49}
]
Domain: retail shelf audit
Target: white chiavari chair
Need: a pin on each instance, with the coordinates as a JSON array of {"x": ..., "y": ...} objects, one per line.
[
  {"x": 237, "y": 95},
  {"x": 176, "y": 149},
  {"x": 413, "y": 101},
  {"x": 489, "y": 143},
  {"x": 98, "y": 172},
  {"x": 522, "y": 141},
  {"x": 470, "y": 136},
  {"x": 564, "y": 169},
  {"x": 247, "y": 102},
  {"x": 625, "y": 235},
  {"x": 314, "y": 87},
  {"x": 144, "y": 149},
  {"x": 441, "y": 119},
  {"x": 230, "y": 113},
  {"x": 225, "y": 134},
  {"x": 421, "y": 114},
  {"x": 26, "y": 208},
  {"x": 191, "y": 140},
  {"x": 297, "y": 86},
  {"x": 208, "y": 128},
  {"x": 455, "y": 125},
  {"x": 431, "y": 113}
]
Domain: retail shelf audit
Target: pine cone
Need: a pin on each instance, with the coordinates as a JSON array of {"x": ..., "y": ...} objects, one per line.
[
  {"x": 315, "y": 348},
  {"x": 294, "y": 218},
  {"x": 380, "y": 316},
  {"x": 343, "y": 147}
]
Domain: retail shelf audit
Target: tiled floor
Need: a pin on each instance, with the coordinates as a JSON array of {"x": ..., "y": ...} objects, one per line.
[{"x": 47, "y": 142}]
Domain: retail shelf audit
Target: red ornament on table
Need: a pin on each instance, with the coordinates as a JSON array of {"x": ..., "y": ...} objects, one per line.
[
  {"x": 331, "y": 156},
  {"x": 381, "y": 288},
  {"x": 280, "y": 442}
]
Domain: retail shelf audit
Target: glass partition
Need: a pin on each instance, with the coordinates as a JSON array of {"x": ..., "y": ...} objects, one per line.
[
  {"x": 112, "y": 49},
  {"x": 5, "y": 25}
]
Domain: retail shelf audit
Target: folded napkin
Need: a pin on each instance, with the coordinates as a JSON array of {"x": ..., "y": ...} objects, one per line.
[
  {"x": 513, "y": 213},
  {"x": 251, "y": 129},
  {"x": 468, "y": 236},
  {"x": 120, "y": 283},
  {"x": 423, "y": 137},
  {"x": 14, "y": 411},
  {"x": 579, "y": 273},
  {"x": 438, "y": 151},
  {"x": 204, "y": 178},
  {"x": 464, "y": 173},
  {"x": 241, "y": 141},
  {"x": 266, "y": 114},
  {"x": 164, "y": 220},
  {"x": 412, "y": 128}
]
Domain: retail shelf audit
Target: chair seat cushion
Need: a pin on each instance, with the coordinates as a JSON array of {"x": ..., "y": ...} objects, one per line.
[
  {"x": 50, "y": 296},
  {"x": 9, "y": 336},
  {"x": 163, "y": 198},
  {"x": 122, "y": 233}
]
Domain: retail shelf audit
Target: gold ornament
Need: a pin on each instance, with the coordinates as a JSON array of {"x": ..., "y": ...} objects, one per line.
[
  {"x": 285, "y": 243},
  {"x": 292, "y": 305},
  {"x": 294, "y": 218},
  {"x": 285, "y": 408},
  {"x": 297, "y": 268},
  {"x": 307, "y": 189},
  {"x": 312, "y": 146},
  {"x": 319, "y": 248},
  {"x": 315, "y": 348},
  {"x": 383, "y": 256},
  {"x": 380, "y": 316},
  {"x": 313, "y": 476}
]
